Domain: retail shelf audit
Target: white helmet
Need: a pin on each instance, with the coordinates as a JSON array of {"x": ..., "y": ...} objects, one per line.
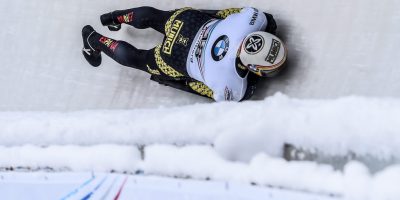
[{"x": 263, "y": 53}]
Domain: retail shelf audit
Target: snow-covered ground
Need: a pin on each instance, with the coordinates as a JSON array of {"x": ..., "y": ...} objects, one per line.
[
  {"x": 365, "y": 126},
  {"x": 221, "y": 142},
  {"x": 340, "y": 96}
]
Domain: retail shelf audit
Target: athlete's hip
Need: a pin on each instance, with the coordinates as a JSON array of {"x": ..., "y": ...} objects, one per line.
[{"x": 181, "y": 30}]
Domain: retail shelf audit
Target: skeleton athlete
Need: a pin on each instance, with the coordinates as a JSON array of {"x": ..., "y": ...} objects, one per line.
[{"x": 213, "y": 53}]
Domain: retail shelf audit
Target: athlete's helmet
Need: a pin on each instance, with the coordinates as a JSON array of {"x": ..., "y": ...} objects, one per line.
[{"x": 263, "y": 53}]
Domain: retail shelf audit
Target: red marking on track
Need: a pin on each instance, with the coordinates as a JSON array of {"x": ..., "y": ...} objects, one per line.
[{"x": 120, "y": 189}]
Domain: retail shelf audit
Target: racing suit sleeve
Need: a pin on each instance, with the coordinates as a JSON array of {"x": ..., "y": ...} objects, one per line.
[{"x": 252, "y": 81}]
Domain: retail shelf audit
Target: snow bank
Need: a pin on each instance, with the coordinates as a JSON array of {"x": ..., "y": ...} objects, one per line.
[
  {"x": 75, "y": 158},
  {"x": 355, "y": 182},
  {"x": 203, "y": 162},
  {"x": 222, "y": 141},
  {"x": 365, "y": 126}
]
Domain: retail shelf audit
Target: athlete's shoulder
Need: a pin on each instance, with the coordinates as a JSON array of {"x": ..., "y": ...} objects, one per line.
[
  {"x": 250, "y": 11},
  {"x": 249, "y": 16}
]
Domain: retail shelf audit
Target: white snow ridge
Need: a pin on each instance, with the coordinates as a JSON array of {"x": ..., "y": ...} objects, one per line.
[
  {"x": 70, "y": 131},
  {"x": 224, "y": 142}
]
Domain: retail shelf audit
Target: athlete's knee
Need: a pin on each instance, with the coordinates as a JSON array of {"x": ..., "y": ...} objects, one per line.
[
  {"x": 144, "y": 16},
  {"x": 123, "y": 52},
  {"x": 147, "y": 10},
  {"x": 128, "y": 55}
]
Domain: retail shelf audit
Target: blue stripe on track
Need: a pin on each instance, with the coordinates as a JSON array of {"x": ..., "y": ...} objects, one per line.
[
  {"x": 76, "y": 190},
  {"x": 95, "y": 189}
]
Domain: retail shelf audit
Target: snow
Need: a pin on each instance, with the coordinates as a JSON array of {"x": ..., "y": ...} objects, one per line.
[
  {"x": 223, "y": 142},
  {"x": 355, "y": 182},
  {"x": 364, "y": 126},
  {"x": 204, "y": 163},
  {"x": 75, "y": 158}
]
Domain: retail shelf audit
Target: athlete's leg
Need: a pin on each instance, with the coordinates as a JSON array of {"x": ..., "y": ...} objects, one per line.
[
  {"x": 120, "y": 51},
  {"x": 141, "y": 18}
]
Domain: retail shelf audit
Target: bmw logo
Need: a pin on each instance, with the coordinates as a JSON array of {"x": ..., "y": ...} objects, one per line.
[
  {"x": 220, "y": 47},
  {"x": 254, "y": 44}
]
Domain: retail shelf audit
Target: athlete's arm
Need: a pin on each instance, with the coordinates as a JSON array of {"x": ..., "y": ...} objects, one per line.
[
  {"x": 252, "y": 81},
  {"x": 191, "y": 86},
  {"x": 211, "y": 13}
]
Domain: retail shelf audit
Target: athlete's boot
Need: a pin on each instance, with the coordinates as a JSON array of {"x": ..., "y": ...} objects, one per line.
[
  {"x": 107, "y": 20},
  {"x": 92, "y": 55}
]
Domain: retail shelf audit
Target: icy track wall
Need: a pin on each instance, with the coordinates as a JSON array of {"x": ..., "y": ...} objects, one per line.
[{"x": 336, "y": 48}]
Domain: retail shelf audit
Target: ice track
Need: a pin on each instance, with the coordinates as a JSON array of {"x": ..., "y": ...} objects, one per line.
[{"x": 336, "y": 48}]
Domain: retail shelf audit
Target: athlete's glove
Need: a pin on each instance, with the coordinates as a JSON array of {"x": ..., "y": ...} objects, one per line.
[
  {"x": 115, "y": 27},
  {"x": 271, "y": 27},
  {"x": 107, "y": 20}
]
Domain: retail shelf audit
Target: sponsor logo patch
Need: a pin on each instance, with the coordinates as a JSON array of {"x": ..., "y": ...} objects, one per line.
[
  {"x": 125, "y": 18},
  {"x": 273, "y": 51},
  {"x": 254, "y": 44},
  {"x": 110, "y": 43},
  {"x": 254, "y": 17},
  {"x": 172, "y": 36},
  {"x": 220, "y": 48},
  {"x": 198, "y": 52},
  {"x": 182, "y": 40},
  {"x": 228, "y": 94}
]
